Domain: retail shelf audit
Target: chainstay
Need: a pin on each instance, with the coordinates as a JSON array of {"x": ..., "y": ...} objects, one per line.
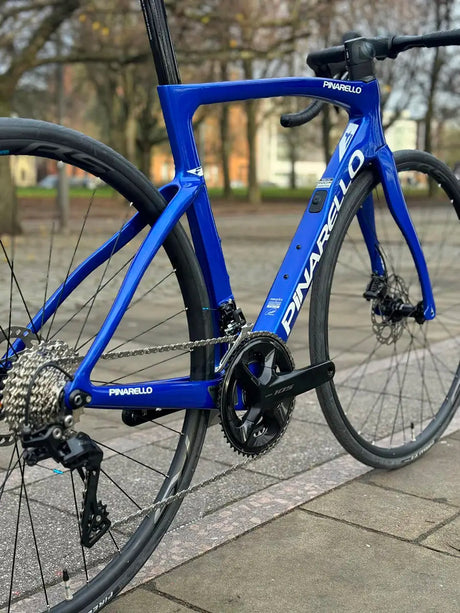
[{"x": 185, "y": 346}]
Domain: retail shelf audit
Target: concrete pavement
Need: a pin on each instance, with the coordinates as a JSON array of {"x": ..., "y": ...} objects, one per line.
[
  {"x": 383, "y": 541},
  {"x": 306, "y": 528}
]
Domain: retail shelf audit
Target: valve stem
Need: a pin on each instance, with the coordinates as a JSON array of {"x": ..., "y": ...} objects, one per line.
[{"x": 67, "y": 588}]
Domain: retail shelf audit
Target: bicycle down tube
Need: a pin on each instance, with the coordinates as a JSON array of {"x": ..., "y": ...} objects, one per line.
[{"x": 361, "y": 144}]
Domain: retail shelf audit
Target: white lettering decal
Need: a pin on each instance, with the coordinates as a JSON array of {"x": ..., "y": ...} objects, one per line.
[
  {"x": 355, "y": 163},
  {"x": 356, "y": 155},
  {"x": 101, "y": 604},
  {"x": 130, "y": 391},
  {"x": 343, "y": 87},
  {"x": 196, "y": 171}
]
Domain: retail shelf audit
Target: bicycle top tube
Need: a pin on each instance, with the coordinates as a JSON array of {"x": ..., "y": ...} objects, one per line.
[{"x": 179, "y": 103}]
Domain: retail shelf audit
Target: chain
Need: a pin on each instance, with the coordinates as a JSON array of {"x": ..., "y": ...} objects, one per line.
[
  {"x": 184, "y": 346},
  {"x": 157, "y": 506},
  {"x": 189, "y": 346},
  {"x": 69, "y": 360}
]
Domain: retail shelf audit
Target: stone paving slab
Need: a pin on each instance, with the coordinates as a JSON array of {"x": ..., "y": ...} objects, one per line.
[
  {"x": 416, "y": 479},
  {"x": 144, "y": 601},
  {"x": 402, "y": 515},
  {"x": 446, "y": 539},
  {"x": 305, "y": 563},
  {"x": 373, "y": 548}
]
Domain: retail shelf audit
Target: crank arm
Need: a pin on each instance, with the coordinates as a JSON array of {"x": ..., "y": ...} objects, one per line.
[{"x": 298, "y": 381}]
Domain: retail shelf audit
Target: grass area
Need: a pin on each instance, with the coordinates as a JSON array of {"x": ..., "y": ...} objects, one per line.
[
  {"x": 268, "y": 193},
  {"x": 271, "y": 193},
  {"x": 76, "y": 192},
  {"x": 239, "y": 193}
]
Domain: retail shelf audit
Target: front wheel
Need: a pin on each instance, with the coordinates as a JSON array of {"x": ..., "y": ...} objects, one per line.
[{"x": 397, "y": 377}]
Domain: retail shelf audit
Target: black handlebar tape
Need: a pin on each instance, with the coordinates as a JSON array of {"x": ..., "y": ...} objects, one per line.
[
  {"x": 293, "y": 120},
  {"x": 319, "y": 59},
  {"x": 384, "y": 46},
  {"x": 434, "y": 39}
]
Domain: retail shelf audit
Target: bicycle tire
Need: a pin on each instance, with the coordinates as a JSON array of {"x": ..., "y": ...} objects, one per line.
[
  {"x": 46, "y": 141},
  {"x": 395, "y": 391}
]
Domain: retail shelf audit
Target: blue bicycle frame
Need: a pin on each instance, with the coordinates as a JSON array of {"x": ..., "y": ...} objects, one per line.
[{"x": 361, "y": 145}]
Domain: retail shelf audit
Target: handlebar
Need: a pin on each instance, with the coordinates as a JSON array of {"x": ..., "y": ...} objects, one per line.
[
  {"x": 342, "y": 58},
  {"x": 380, "y": 48},
  {"x": 292, "y": 120}
]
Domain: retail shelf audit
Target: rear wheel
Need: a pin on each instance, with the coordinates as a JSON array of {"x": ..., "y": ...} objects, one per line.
[
  {"x": 40, "y": 506},
  {"x": 397, "y": 376}
]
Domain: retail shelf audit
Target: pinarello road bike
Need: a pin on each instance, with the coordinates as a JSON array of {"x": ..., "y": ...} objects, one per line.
[{"x": 380, "y": 257}]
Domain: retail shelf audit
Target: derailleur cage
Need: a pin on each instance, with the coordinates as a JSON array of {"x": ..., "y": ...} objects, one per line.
[{"x": 77, "y": 452}]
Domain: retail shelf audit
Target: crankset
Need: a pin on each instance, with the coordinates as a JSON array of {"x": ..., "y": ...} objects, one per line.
[{"x": 257, "y": 394}]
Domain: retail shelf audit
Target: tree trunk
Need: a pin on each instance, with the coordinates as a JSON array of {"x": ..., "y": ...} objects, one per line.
[
  {"x": 326, "y": 132},
  {"x": 144, "y": 156},
  {"x": 9, "y": 223},
  {"x": 225, "y": 149},
  {"x": 292, "y": 162},
  {"x": 224, "y": 128},
  {"x": 251, "y": 131}
]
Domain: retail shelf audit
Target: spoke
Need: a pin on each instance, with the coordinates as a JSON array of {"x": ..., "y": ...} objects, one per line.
[
  {"x": 425, "y": 390},
  {"x": 115, "y": 274},
  {"x": 48, "y": 273},
  {"x": 348, "y": 350},
  {"x": 371, "y": 391},
  {"x": 382, "y": 396},
  {"x": 158, "y": 423},
  {"x": 363, "y": 365},
  {"x": 136, "y": 372},
  {"x": 15, "y": 546},
  {"x": 134, "y": 302},
  {"x": 402, "y": 382},
  {"x": 144, "y": 332},
  {"x": 114, "y": 541},
  {"x": 9, "y": 471},
  {"x": 34, "y": 536},
  {"x": 159, "y": 472},
  {"x": 8, "y": 341},
  {"x": 14, "y": 282},
  {"x": 435, "y": 360},
  {"x": 77, "y": 244},
  {"x": 107, "y": 264},
  {"x": 77, "y": 516},
  {"x": 121, "y": 489}
]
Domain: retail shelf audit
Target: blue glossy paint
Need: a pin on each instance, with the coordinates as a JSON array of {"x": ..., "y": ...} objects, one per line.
[{"x": 361, "y": 145}]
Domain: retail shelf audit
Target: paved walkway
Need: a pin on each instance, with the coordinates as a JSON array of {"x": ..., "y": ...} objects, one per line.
[
  {"x": 306, "y": 528},
  {"x": 382, "y": 541}
]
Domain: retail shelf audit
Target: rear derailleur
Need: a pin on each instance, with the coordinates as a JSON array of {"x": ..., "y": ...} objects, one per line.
[{"x": 76, "y": 452}]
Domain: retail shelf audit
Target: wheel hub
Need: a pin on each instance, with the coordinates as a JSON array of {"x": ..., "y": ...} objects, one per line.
[{"x": 391, "y": 307}]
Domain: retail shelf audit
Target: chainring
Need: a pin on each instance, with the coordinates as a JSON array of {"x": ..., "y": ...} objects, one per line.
[{"x": 250, "y": 428}]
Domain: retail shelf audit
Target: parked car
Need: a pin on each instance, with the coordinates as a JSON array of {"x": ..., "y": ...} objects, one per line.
[{"x": 51, "y": 182}]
